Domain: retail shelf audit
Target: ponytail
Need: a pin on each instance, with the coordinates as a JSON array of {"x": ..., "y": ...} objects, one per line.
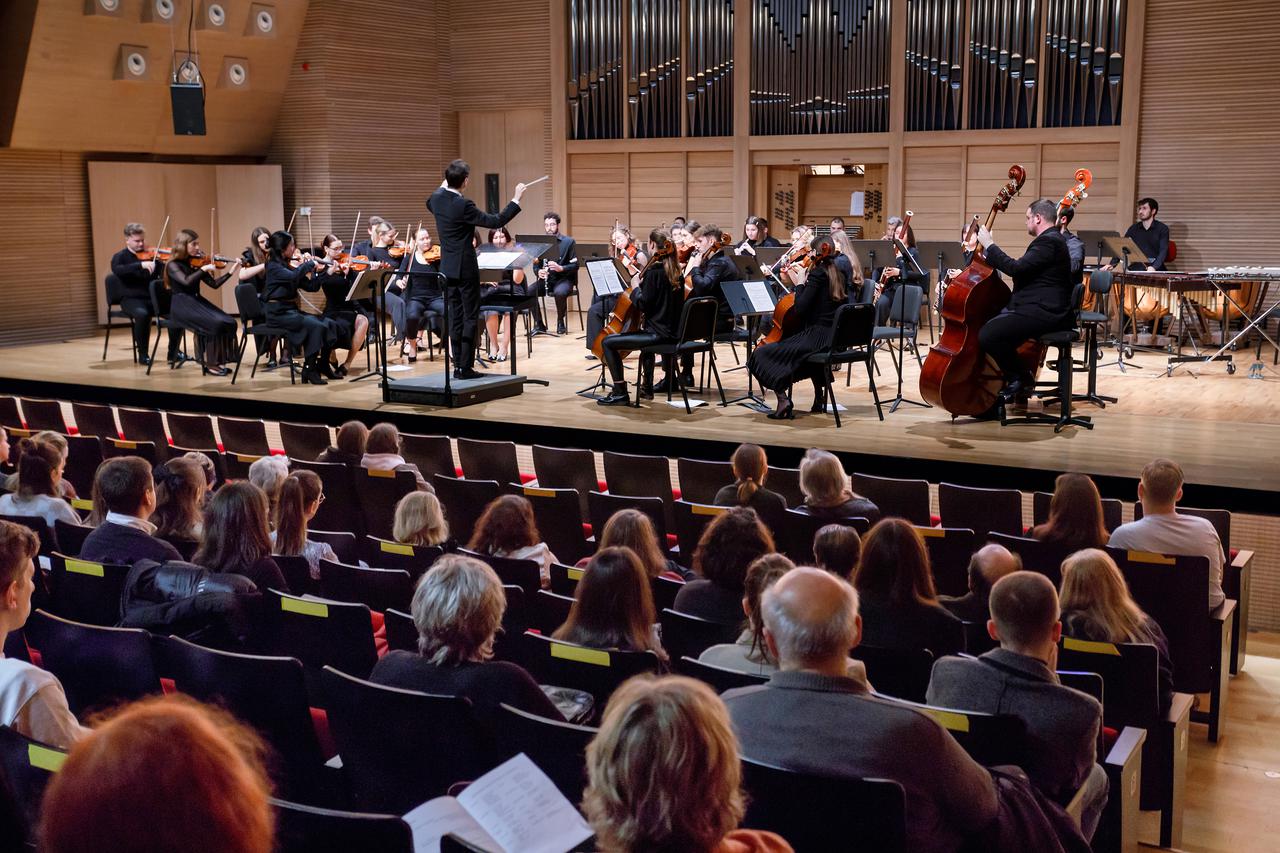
[
  {"x": 298, "y": 491},
  {"x": 750, "y": 468},
  {"x": 37, "y": 463}
]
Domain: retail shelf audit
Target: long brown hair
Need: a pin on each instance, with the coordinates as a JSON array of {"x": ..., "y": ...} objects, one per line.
[
  {"x": 300, "y": 490},
  {"x": 843, "y": 243},
  {"x": 761, "y": 575},
  {"x": 895, "y": 563},
  {"x": 179, "y": 490},
  {"x": 751, "y": 468},
  {"x": 507, "y": 525},
  {"x": 235, "y": 529},
  {"x": 1075, "y": 514},
  {"x": 662, "y": 242},
  {"x": 37, "y": 468},
  {"x": 255, "y": 251},
  {"x": 613, "y": 605},
  {"x": 631, "y": 528}
]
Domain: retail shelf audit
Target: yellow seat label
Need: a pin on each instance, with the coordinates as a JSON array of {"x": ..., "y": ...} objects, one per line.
[{"x": 596, "y": 657}]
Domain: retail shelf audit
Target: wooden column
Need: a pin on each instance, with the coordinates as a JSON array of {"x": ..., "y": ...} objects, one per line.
[
  {"x": 741, "y": 113},
  {"x": 1130, "y": 114},
  {"x": 558, "y": 10}
]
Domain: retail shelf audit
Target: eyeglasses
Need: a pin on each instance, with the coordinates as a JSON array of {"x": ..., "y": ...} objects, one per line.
[{"x": 320, "y": 499}]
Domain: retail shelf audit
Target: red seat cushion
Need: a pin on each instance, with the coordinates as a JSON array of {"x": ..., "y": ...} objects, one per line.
[
  {"x": 525, "y": 478},
  {"x": 379, "y": 632},
  {"x": 320, "y": 722}
]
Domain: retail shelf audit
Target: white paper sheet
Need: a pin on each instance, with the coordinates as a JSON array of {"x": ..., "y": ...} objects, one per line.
[
  {"x": 604, "y": 277},
  {"x": 432, "y": 820},
  {"x": 857, "y": 203},
  {"x": 523, "y": 810},
  {"x": 758, "y": 293},
  {"x": 496, "y": 260}
]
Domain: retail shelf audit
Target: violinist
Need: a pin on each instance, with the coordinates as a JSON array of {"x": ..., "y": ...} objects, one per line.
[
  {"x": 902, "y": 271},
  {"x": 706, "y": 271},
  {"x": 849, "y": 264},
  {"x": 423, "y": 298},
  {"x": 623, "y": 248},
  {"x": 315, "y": 336},
  {"x": 820, "y": 292},
  {"x": 660, "y": 298},
  {"x": 215, "y": 329},
  {"x": 756, "y": 232},
  {"x": 683, "y": 235},
  {"x": 787, "y": 268},
  {"x": 1041, "y": 299},
  {"x": 253, "y": 269},
  {"x": 511, "y": 288},
  {"x": 135, "y": 276},
  {"x": 351, "y": 324}
]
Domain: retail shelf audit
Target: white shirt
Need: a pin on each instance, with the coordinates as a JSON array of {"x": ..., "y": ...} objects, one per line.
[
  {"x": 539, "y": 553},
  {"x": 49, "y": 508},
  {"x": 131, "y": 521},
  {"x": 1177, "y": 535},
  {"x": 33, "y": 703}
]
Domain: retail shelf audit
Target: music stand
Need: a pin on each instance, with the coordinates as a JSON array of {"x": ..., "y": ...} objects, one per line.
[
  {"x": 373, "y": 284},
  {"x": 948, "y": 255},
  {"x": 869, "y": 250},
  {"x": 1096, "y": 240},
  {"x": 494, "y": 264},
  {"x": 751, "y": 301},
  {"x": 607, "y": 283},
  {"x": 767, "y": 256},
  {"x": 1124, "y": 248},
  {"x": 540, "y": 251}
]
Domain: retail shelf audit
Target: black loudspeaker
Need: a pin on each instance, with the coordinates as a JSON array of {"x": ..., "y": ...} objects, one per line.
[
  {"x": 188, "y": 108},
  {"x": 491, "y": 193}
]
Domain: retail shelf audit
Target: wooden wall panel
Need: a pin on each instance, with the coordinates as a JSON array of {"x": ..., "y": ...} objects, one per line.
[
  {"x": 597, "y": 194},
  {"x": 1059, "y": 164},
  {"x": 933, "y": 189}
]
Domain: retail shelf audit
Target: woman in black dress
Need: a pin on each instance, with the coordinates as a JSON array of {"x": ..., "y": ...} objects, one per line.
[
  {"x": 215, "y": 329},
  {"x": 423, "y": 298},
  {"x": 253, "y": 269},
  {"x": 779, "y": 365},
  {"x": 508, "y": 290},
  {"x": 351, "y": 324},
  {"x": 313, "y": 335}
]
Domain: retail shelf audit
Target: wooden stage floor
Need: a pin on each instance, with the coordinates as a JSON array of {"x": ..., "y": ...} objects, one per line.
[{"x": 1224, "y": 429}]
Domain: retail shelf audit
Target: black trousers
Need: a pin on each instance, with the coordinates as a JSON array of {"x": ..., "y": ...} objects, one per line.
[
  {"x": 1001, "y": 336},
  {"x": 464, "y": 317},
  {"x": 598, "y": 315},
  {"x": 883, "y": 304},
  {"x": 415, "y": 314},
  {"x": 560, "y": 290},
  {"x": 139, "y": 309},
  {"x": 614, "y": 345}
]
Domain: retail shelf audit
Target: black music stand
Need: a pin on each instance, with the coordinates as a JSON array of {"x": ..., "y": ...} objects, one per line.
[
  {"x": 494, "y": 270},
  {"x": 372, "y": 284},
  {"x": 750, "y": 301},
  {"x": 948, "y": 255},
  {"x": 899, "y": 399},
  {"x": 538, "y": 250},
  {"x": 607, "y": 283},
  {"x": 1125, "y": 249},
  {"x": 1096, "y": 240}
]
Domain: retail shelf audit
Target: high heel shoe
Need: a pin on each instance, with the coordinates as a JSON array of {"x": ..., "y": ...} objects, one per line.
[{"x": 786, "y": 413}]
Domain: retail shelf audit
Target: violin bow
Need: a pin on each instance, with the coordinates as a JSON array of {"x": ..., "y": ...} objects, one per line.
[
  {"x": 355, "y": 229},
  {"x": 289, "y": 227},
  {"x": 163, "y": 229}
]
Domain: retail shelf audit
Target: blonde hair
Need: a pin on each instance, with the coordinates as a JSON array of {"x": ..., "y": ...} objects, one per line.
[
  {"x": 823, "y": 480},
  {"x": 663, "y": 771},
  {"x": 420, "y": 520},
  {"x": 1161, "y": 480},
  {"x": 1093, "y": 587},
  {"x": 457, "y": 609}
]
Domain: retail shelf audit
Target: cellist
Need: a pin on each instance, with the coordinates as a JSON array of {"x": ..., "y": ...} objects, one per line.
[
  {"x": 1041, "y": 300},
  {"x": 660, "y": 298},
  {"x": 623, "y": 248}
]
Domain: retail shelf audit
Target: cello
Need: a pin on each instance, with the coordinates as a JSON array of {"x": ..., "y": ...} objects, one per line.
[
  {"x": 957, "y": 375},
  {"x": 783, "y": 322},
  {"x": 625, "y": 317}
]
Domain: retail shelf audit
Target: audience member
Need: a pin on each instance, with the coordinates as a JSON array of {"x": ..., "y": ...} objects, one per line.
[
  {"x": 382, "y": 453},
  {"x": 32, "y": 702},
  {"x": 165, "y": 773},
  {"x": 210, "y": 471},
  {"x": 420, "y": 521},
  {"x": 664, "y": 774},
  {"x": 236, "y": 537},
  {"x": 812, "y": 717},
  {"x": 827, "y": 494},
  {"x": 268, "y": 473},
  {"x": 180, "y": 488},
  {"x": 837, "y": 548},
  {"x": 457, "y": 608},
  {"x": 1096, "y": 606},
  {"x": 124, "y": 489},
  {"x": 59, "y": 443},
  {"x": 631, "y": 528},
  {"x": 1164, "y": 530},
  {"x": 39, "y": 472},
  {"x": 1019, "y": 679},
  {"x": 987, "y": 565},
  {"x": 900, "y": 608},
  {"x": 613, "y": 606},
  {"x": 750, "y": 654},
  {"x": 1075, "y": 515},
  {"x": 750, "y": 471},
  {"x": 507, "y": 529},
  {"x": 350, "y": 445},
  {"x": 300, "y": 499},
  {"x": 731, "y": 542}
]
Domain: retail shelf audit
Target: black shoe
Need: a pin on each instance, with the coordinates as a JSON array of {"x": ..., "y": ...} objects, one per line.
[
  {"x": 311, "y": 376},
  {"x": 819, "y": 404},
  {"x": 272, "y": 364},
  {"x": 617, "y": 397},
  {"x": 327, "y": 369},
  {"x": 661, "y": 386},
  {"x": 144, "y": 361},
  {"x": 341, "y": 371},
  {"x": 687, "y": 380},
  {"x": 787, "y": 413},
  {"x": 468, "y": 373},
  {"x": 539, "y": 328},
  {"x": 562, "y": 328}
]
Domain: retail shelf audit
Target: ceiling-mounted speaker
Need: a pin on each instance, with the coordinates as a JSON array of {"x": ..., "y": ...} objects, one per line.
[
  {"x": 235, "y": 73},
  {"x": 158, "y": 11},
  {"x": 133, "y": 62},
  {"x": 212, "y": 16},
  {"x": 107, "y": 8},
  {"x": 262, "y": 20}
]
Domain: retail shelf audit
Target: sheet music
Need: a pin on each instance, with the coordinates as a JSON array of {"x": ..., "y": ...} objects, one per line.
[
  {"x": 523, "y": 811},
  {"x": 432, "y": 820},
  {"x": 758, "y": 293},
  {"x": 604, "y": 277},
  {"x": 497, "y": 260}
]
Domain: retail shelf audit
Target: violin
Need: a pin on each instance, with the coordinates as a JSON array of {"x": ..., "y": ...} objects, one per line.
[
  {"x": 219, "y": 261},
  {"x": 725, "y": 241},
  {"x": 433, "y": 255},
  {"x": 628, "y": 257},
  {"x": 397, "y": 249},
  {"x": 784, "y": 321},
  {"x": 151, "y": 253},
  {"x": 899, "y": 235}
]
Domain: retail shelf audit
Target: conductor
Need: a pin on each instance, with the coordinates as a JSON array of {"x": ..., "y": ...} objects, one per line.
[{"x": 457, "y": 218}]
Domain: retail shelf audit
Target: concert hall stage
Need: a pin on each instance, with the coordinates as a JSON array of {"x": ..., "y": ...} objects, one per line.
[{"x": 1224, "y": 429}]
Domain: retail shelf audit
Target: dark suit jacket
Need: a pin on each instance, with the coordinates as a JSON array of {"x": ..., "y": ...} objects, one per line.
[
  {"x": 457, "y": 218},
  {"x": 970, "y": 607},
  {"x": 1041, "y": 277},
  {"x": 124, "y": 545}
]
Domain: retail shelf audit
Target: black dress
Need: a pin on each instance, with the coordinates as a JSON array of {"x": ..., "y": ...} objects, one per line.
[
  {"x": 423, "y": 298},
  {"x": 777, "y": 366},
  {"x": 906, "y": 275},
  {"x": 306, "y": 332},
  {"x": 337, "y": 309},
  {"x": 215, "y": 327}
]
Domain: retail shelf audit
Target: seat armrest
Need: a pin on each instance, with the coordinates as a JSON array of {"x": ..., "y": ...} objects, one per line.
[
  {"x": 1128, "y": 746},
  {"x": 1179, "y": 710},
  {"x": 1243, "y": 560},
  {"x": 1224, "y": 612}
]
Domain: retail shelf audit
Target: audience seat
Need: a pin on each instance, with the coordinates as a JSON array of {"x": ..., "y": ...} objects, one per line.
[
  {"x": 38, "y": 526},
  {"x": 636, "y": 476},
  {"x": 907, "y": 499},
  {"x": 550, "y": 611},
  {"x": 84, "y": 455},
  {"x": 464, "y": 502},
  {"x": 340, "y": 510},
  {"x": 800, "y": 528},
  {"x": 526, "y": 574},
  {"x": 113, "y": 447},
  {"x": 246, "y": 437},
  {"x": 566, "y": 468},
  {"x": 691, "y": 520},
  {"x": 310, "y": 829},
  {"x": 981, "y": 510},
  {"x": 86, "y": 591},
  {"x": 1043, "y": 557},
  {"x": 26, "y": 768},
  {"x": 237, "y": 464},
  {"x": 488, "y": 460},
  {"x": 192, "y": 430},
  {"x": 297, "y": 573},
  {"x": 990, "y": 739},
  {"x": 402, "y": 634},
  {"x": 99, "y": 667},
  {"x": 10, "y": 414},
  {"x": 95, "y": 420},
  {"x": 377, "y": 493},
  {"x": 949, "y": 552},
  {"x": 319, "y": 632},
  {"x": 431, "y": 453},
  {"x": 557, "y": 748},
  {"x": 718, "y": 677},
  {"x": 900, "y": 673},
  {"x": 43, "y": 415},
  {"x": 1112, "y": 510},
  {"x": 689, "y": 636},
  {"x": 665, "y": 591},
  {"x": 602, "y": 506},
  {"x": 701, "y": 480},
  {"x": 377, "y": 589},
  {"x": 597, "y": 671},
  {"x": 385, "y": 554},
  {"x": 564, "y": 579},
  {"x": 786, "y": 482},
  {"x": 304, "y": 441},
  {"x": 558, "y": 515},
  {"x": 344, "y": 544}
]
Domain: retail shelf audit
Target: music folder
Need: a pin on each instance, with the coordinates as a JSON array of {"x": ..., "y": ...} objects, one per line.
[
  {"x": 749, "y": 298},
  {"x": 604, "y": 277}
]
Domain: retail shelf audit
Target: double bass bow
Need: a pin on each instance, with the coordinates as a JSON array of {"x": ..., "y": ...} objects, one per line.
[{"x": 625, "y": 316}]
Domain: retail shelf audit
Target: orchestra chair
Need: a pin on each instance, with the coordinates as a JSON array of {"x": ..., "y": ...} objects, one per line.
[
  {"x": 900, "y": 673},
  {"x": 981, "y": 510},
  {"x": 71, "y": 536},
  {"x": 684, "y": 635},
  {"x": 248, "y": 437},
  {"x": 564, "y": 579},
  {"x": 378, "y": 493},
  {"x": 27, "y": 766},
  {"x": 385, "y": 554},
  {"x": 93, "y": 419},
  {"x": 1237, "y": 576},
  {"x": 488, "y": 460},
  {"x": 253, "y": 324},
  {"x": 377, "y": 589},
  {"x": 558, "y": 514},
  {"x": 558, "y": 749},
  {"x": 1058, "y": 390},
  {"x": 164, "y": 322},
  {"x": 215, "y": 456},
  {"x": 526, "y": 574},
  {"x": 701, "y": 480},
  {"x": 850, "y": 341},
  {"x": 895, "y": 498},
  {"x": 400, "y": 748},
  {"x": 193, "y": 430},
  {"x": 664, "y": 591},
  {"x": 597, "y": 671},
  {"x": 268, "y": 693},
  {"x": 84, "y": 455},
  {"x": 718, "y": 678},
  {"x": 639, "y": 476},
  {"x": 237, "y": 465},
  {"x": 786, "y": 482},
  {"x": 1043, "y": 557},
  {"x": 113, "y": 447},
  {"x": 1174, "y": 591},
  {"x": 86, "y": 591},
  {"x": 339, "y": 511},
  {"x": 903, "y": 328},
  {"x": 115, "y": 299},
  {"x": 43, "y": 415},
  {"x": 696, "y": 336},
  {"x": 691, "y": 520},
  {"x": 318, "y": 632},
  {"x": 800, "y": 528},
  {"x": 144, "y": 425},
  {"x": 431, "y": 453},
  {"x": 402, "y": 633},
  {"x": 99, "y": 666},
  {"x": 512, "y": 307},
  {"x": 304, "y": 441},
  {"x": 550, "y": 611},
  {"x": 48, "y": 539},
  {"x": 1130, "y": 676},
  {"x": 1093, "y": 322},
  {"x": 1112, "y": 510},
  {"x": 809, "y": 810},
  {"x": 306, "y": 829},
  {"x": 602, "y": 506},
  {"x": 567, "y": 468},
  {"x": 10, "y": 416},
  {"x": 464, "y": 502}
]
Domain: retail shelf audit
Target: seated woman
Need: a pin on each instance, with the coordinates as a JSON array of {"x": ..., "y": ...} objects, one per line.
[
  {"x": 382, "y": 453},
  {"x": 268, "y": 473},
  {"x": 778, "y": 365},
  {"x": 179, "y": 498},
  {"x": 1096, "y": 606},
  {"x": 32, "y": 701},
  {"x": 826, "y": 490},
  {"x": 39, "y": 472},
  {"x": 749, "y": 653},
  {"x": 837, "y": 548},
  {"x": 613, "y": 606},
  {"x": 901, "y": 272},
  {"x": 215, "y": 328},
  {"x": 509, "y": 290},
  {"x": 423, "y": 298},
  {"x": 236, "y": 538},
  {"x": 350, "y": 446},
  {"x": 750, "y": 470},
  {"x": 507, "y": 529},
  {"x": 457, "y": 608},
  {"x": 623, "y": 248},
  {"x": 45, "y": 436},
  {"x": 420, "y": 521},
  {"x": 896, "y": 596},
  {"x": 300, "y": 497},
  {"x": 850, "y": 266},
  {"x": 731, "y": 543},
  {"x": 631, "y": 528},
  {"x": 314, "y": 336},
  {"x": 350, "y": 323},
  {"x": 1075, "y": 515},
  {"x": 660, "y": 299},
  {"x": 664, "y": 773}
]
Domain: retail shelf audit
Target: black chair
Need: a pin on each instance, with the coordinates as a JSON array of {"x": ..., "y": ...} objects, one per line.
[
  {"x": 602, "y": 507},
  {"x": 71, "y": 536},
  {"x": 165, "y": 321},
  {"x": 43, "y": 415},
  {"x": 900, "y": 673},
  {"x": 311, "y": 829},
  {"x": 597, "y": 671},
  {"x": 113, "y": 447},
  {"x": 550, "y": 611},
  {"x": 632, "y": 475},
  {"x": 696, "y": 334},
  {"x": 26, "y": 766},
  {"x": 243, "y": 436},
  {"x": 990, "y": 739},
  {"x": 800, "y": 528},
  {"x": 464, "y": 502},
  {"x": 850, "y": 342},
  {"x": 977, "y": 640},
  {"x": 304, "y": 441},
  {"x": 1043, "y": 557},
  {"x": 689, "y": 636},
  {"x": 665, "y": 591},
  {"x": 1100, "y": 282},
  {"x": 188, "y": 430},
  {"x": 402, "y": 634},
  {"x": 981, "y": 510},
  {"x": 1112, "y": 510},
  {"x": 400, "y": 748},
  {"x": 92, "y": 419},
  {"x": 378, "y": 493},
  {"x": 86, "y": 591},
  {"x": 253, "y": 324},
  {"x": 237, "y": 465},
  {"x": 431, "y": 453},
  {"x": 786, "y": 482},
  {"x": 904, "y": 324},
  {"x": 385, "y": 554},
  {"x": 564, "y": 579},
  {"x": 377, "y": 589},
  {"x": 268, "y": 693},
  {"x": 488, "y": 460},
  {"x": 558, "y": 514},
  {"x": 297, "y": 574},
  {"x": 10, "y": 415},
  {"x": 115, "y": 298},
  {"x": 718, "y": 677},
  {"x": 811, "y": 811},
  {"x": 344, "y": 545},
  {"x": 700, "y": 480},
  {"x": 526, "y": 574},
  {"x": 340, "y": 511},
  {"x": 691, "y": 520},
  {"x": 319, "y": 632},
  {"x": 214, "y": 455},
  {"x": 558, "y": 749},
  {"x": 98, "y": 666},
  {"x": 561, "y": 468},
  {"x": 907, "y": 499},
  {"x": 36, "y": 524},
  {"x": 144, "y": 425},
  {"x": 84, "y": 455}
]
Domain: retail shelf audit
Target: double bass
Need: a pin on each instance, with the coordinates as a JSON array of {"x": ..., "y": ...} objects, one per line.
[
  {"x": 625, "y": 317},
  {"x": 958, "y": 376}
]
